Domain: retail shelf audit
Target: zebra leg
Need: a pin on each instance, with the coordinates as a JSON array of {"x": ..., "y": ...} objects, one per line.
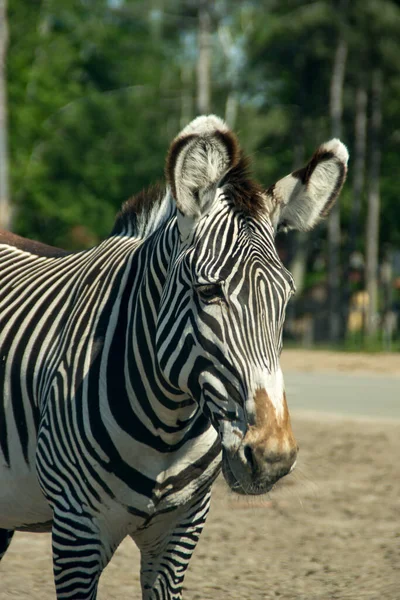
[
  {"x": 80, "y": 553},
  {"x": 5, "y": 540},
  {"x": 165, "y": 558}
]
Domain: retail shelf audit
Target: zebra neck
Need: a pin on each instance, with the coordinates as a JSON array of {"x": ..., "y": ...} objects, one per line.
[{"x": 164, "y": 409}]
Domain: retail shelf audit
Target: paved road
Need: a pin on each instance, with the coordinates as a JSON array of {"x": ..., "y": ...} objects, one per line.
[{"x": 376, "y": 396}]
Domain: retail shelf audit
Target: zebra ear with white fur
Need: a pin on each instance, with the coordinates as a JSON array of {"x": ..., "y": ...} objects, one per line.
[
  {"x": 198, "y": 159},
  {"x": 300, "y": 200}
]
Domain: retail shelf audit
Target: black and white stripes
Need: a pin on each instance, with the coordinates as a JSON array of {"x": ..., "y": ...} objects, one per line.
[{"x": 127, "y": 368}]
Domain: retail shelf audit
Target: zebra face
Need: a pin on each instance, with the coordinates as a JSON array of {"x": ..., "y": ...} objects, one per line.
[
  {"x": 232, "y": 291},
  {"x": 241, "y": 307},
  {"x": 227, "y": 290}
]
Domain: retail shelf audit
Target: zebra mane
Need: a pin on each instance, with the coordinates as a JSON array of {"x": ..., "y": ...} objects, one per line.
[
  {"x": 245, "y": 193},
  {"x": 144, "y": 212}
]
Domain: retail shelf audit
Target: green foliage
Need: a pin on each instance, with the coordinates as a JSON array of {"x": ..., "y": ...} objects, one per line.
[
  {"x": 92, "y": 110},
  {"x": 98, "y": 88}
]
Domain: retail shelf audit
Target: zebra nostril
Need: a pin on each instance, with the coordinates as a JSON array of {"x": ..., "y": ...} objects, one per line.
[{"x": 249, "y": 457}]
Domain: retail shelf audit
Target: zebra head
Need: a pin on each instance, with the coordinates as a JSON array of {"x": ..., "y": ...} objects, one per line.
[{"x": 223, "y": 307}]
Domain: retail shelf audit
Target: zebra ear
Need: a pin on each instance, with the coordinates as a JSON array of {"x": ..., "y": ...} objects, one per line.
[
  {"x": 303, "y": 198},
  {"x": 197, "y": 161}
]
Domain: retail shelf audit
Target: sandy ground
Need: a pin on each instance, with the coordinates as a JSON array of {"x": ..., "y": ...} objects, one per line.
[
  {"x": 331, "y": 530},
  {"x": 353, "y": 362}
]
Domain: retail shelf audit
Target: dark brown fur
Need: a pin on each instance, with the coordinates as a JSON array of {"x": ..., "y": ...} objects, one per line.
[
  {"x": 31, "y": 246},
  {"x": 246, "y": 194},
  {"x": 138, "y": 204}
]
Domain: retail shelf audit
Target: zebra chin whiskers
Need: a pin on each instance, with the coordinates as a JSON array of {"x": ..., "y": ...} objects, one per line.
[
  {"x": 296, "y": 486},
  {"x": 250, "y": 500},
  {"x": 305, "y": 479}
]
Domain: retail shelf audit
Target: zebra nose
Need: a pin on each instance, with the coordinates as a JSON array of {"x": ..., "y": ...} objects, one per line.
[
  {"x": 269, "y": 448},
  {"x": 267, "y": 462},
  {"x": 249, "y": 458}
]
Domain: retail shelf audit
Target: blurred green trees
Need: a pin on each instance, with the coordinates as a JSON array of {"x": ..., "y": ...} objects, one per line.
[{"x": 93, "y": 105}]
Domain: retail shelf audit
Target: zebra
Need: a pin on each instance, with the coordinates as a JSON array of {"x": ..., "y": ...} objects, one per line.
[{"x": 133, "y": 371}]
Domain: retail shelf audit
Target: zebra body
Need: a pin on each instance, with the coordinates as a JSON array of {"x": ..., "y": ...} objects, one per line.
[
  {"x": 130, "y": 372},
  {"x": 85, "y": 325}
]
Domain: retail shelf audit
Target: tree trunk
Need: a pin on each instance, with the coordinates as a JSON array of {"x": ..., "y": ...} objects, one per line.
[
  {"x": 5, "y": 210},
  {"x": 334, "y": 234},
  {"x": 231, "y": 109},
  {"x": 372, "y": 249},
  {"x": 186, "y": 94},
  {"x": 228, "y": 47},
  {"x": 359, "y": 154},
  {"x": 204, "y": 59},
  {"x": 388, "y": 315},
  {"x": 360, "y": 147}
]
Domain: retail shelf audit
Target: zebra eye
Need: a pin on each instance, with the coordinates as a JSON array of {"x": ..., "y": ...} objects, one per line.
[{"x": 210, "y": 292}]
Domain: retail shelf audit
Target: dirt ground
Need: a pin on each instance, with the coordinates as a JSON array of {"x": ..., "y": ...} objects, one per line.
[
  {"x": 331, "y": 530},
  {"x": 346, "y": 362}
]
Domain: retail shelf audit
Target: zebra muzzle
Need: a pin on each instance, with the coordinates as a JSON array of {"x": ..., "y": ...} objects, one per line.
[{"x": 267, "y": 452}]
